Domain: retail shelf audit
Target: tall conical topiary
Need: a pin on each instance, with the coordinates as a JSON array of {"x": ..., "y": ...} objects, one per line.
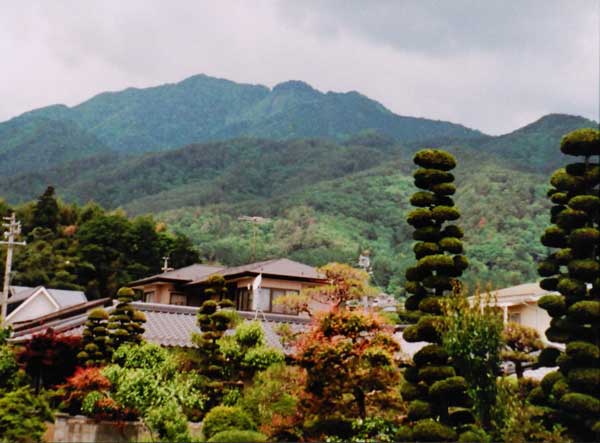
[
  {"x": 125, "y": 323},
  {"x": 432, "y": 385},
  {"x": 97, "y": 349},
  {"x": 573, "y": 269}
]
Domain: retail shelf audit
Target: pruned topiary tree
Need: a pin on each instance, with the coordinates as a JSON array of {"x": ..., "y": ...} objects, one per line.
[
  {"x": 125, "y": 323},
  {"x": 97, "y": 348},
  {"x": 214, "y": 320},
  {"x": 432, "y": 385},
  {"x": 573, "y": 270}
]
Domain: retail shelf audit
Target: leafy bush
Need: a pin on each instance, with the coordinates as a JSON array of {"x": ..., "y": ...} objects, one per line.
[
  {"x": 169, "y": 422},
  {"x": 22, "y": 416},
  {"x": 237, "y": 436},
  {"x": 224, "y": 418},
  {"x": 9, "y": 369},
  {"x": 144, "y": 356}
]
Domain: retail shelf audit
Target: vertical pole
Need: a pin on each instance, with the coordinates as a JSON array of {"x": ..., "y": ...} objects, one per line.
[{"x": 14, "y": 228}]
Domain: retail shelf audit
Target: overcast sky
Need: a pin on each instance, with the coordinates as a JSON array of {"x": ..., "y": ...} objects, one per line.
[{"x": 491, "y": 65}]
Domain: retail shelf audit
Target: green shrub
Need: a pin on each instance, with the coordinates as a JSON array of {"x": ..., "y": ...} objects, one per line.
[
  {"x": 583, "y": 352},
  {"x": 430, "y": 355},
  {"x": 168, "y": 422},
  {"x": 22, "y": 416},
  {"x": 435, "y": 158},
  {"x": 549, "y": 380},
  {"x": 584, "y": 142},
  {"x": 224, "y": 418},
  {"x": 431, "y": 374},
  {"x": 581, "y": 404},
  {"x": 554, "y": 304},
  {"x": 238, "y": 436},
  {"x": 448, "y": 388},
  {"x": 262, "y": 357},
  {"x": 419, "y": 409},
  {"x": 429, "y": 430}
]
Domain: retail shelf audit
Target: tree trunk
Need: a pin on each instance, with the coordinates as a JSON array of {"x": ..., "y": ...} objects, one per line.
[{"x": 359, "y": 395}]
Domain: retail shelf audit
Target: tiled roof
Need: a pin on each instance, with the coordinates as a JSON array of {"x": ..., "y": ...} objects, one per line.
[
  {"x": 277, "y": 267},
  {"x": 185, "y": 274},
  {"x": 170, "y": 325}
]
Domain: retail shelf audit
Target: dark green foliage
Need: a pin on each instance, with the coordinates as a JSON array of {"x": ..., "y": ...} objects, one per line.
[
  {"x": 574, "y": 393},
  {"x": 213, "y": 322},
  {"x": 432, "y": 384},
  {"x": 45, "y": 213},
  {"x": 125, "y": 323},
  {"x": 97, "y": 347},
  {"x": 429, "y": 430}
]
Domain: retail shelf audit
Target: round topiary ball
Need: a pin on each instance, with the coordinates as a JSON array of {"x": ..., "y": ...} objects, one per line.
[
  {"x": 581, "y": 142},
  {"x": 435, "y": 159}
]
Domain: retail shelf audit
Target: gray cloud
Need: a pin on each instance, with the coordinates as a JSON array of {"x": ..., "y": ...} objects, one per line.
[{"x": 491, "y": 65}]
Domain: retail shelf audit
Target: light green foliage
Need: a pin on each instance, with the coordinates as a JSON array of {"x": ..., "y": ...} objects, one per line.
[
  {"x": 9, "y": 369},
  {"x": 147, "y": 380},
  {"x": 473, "y": 339},
  {"x": 237, "y": 436},
  {"x": 145, "y": 356},
  {"x": 168, "y": 422},
  {"x": 246, "y": 351},
  {"x": 22, "y": 416},
  {"x": 516, "y": 420},
  {"x": 225, "y": 418}
]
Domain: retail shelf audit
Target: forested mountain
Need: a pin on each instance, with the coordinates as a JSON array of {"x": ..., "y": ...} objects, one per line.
[
  {"x": 330, "y": 172},
  {"x": 203, "y": 108},
  {"x": 35, "y": 144}
]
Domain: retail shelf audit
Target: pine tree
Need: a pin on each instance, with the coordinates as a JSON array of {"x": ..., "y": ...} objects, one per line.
[
  {"x": 46, "y": 211},
  {"x": 432, "y": 385},
  {"x": 97, "y": 348},
  {"x": 125, "y": 323},
  {"x": 573, "y": 269}
]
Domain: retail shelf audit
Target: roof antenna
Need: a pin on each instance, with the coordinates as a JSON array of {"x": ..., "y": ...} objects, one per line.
[{"x": 165, "y": 267}]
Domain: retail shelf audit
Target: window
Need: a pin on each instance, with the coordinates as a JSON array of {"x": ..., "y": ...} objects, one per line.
[
  {"x": 514, "y": 317},
  {"x": 177, "y": 298},
  {"x": 150, "y": 297},
  {"x": 243, "y": 300},
  {"x": 281, "y": 309}
]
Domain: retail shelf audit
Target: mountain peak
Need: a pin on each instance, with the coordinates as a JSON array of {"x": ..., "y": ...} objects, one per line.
[{"x": 295, "y": 86}]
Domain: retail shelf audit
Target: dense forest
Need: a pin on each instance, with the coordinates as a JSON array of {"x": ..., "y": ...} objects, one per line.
[{"x": 88, "y": 248}]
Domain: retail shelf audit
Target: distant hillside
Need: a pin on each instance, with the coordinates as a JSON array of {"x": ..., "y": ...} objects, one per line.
[
  {"x": 203, "y": 108},
  {"x": 36, "y": 144},
  {"x": 535, "y": 147}
]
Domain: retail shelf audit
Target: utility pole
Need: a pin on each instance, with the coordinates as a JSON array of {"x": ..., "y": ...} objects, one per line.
[{"x": 14, "y": 229}]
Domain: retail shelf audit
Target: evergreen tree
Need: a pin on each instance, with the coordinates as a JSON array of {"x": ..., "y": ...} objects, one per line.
[
  {"x": 432, "y": 385},
  {"x": 573, "y": 269},
  {"x": 46, "y": 212},
  {"x": 125, "y": 323},
  {"x": 213, "y": 321},
  {"x": 97, "y": 348}
]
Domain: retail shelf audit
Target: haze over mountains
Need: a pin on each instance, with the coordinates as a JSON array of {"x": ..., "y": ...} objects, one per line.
[{"x": 332, "y": 170}]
